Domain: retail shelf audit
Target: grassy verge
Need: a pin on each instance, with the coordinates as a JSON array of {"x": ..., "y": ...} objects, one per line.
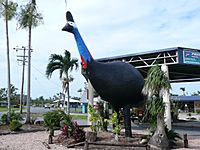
[
  {"x": 75, "y": 110},
  {"x": 40, "y": 115},
  {"x": 74, "y": 117},
  {"x": 79, "y": 117},
  {"x": 5, "y": 109}
]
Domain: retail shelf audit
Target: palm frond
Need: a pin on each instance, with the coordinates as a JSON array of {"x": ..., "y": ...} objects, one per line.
[
  {"x": 51, "y": 67},
  {"x": 8, "y": 10},
  {"x": 73, "y": 63},
  {"x": 63, "y": 63},
  {"x": 67, "y": 55},
  {"x": 61, "y": 73},
  {"x": 156, "y": 82},
  {"x": 29, "y": 16},
  {"x": 55, "y": 58}
]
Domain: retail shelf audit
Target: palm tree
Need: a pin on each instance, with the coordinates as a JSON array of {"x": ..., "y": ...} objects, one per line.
[
  {"x": 28, "y": 18},
  {"x": 155, "y": 84},
  {"x": 64, "y": 64},
  {"x": 8, "y": 11}
]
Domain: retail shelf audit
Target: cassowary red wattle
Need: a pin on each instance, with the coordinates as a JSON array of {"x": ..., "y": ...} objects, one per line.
[{"x": 116, "y": 82}]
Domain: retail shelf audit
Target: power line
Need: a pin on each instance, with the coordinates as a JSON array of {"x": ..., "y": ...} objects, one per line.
[{"x": 46, "y": 77}]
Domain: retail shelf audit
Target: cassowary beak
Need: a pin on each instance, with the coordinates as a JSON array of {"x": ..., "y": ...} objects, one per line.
[
  {"x": 69, "y": 18},
  {"x": 67, "y": 28}
]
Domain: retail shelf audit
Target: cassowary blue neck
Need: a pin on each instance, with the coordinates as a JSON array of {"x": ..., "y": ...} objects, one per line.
[{"x": 82, "y": 48}]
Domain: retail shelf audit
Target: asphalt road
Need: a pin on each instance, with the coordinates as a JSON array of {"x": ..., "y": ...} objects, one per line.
[
  {"x": 190, "y": 131},
  {"x": 193, "y": 131},
  {"x": 142, "y": 128},
  {"x": 40, "y": 110}
]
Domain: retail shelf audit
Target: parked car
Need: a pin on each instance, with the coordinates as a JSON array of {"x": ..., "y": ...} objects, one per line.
[
  {"x": 47, "y": 106},
  {"x": 137, "y": 116}
]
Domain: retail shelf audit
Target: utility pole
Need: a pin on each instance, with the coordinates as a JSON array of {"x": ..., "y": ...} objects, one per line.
[{"x": 23, "y": 60}]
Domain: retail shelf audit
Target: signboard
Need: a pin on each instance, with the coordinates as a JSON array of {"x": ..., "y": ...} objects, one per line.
[{"x": 190, "y": 57}]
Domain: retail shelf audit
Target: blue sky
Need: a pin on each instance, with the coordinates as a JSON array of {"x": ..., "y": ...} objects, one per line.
[{"x": 109, "y": 28}]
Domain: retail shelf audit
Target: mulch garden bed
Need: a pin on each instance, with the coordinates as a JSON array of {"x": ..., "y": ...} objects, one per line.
[{"x": 105, "y": 140}]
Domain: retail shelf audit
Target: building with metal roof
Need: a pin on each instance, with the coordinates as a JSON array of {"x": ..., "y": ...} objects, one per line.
[
  {"x": 183, "y": 63},
  {"x": 185, "y": 98},
  {"x": 187, "y": 103}
]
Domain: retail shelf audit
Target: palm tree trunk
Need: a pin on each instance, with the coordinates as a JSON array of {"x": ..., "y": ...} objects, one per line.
[
  {"x": 8, "y": 65},
  {"x": 64, "y": 105},
  {"x": 159, "y": 139},
  {"x": 68, "y": 96},
  {"x": 29, "y": 78}
]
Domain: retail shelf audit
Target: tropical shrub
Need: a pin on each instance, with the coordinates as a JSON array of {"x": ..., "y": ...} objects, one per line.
[
  {"x": 95, "y": 118},
  {"x": 67, "y": 122},
  {"x": 116, "y": 124},
  {"x": 52, "y": 119},
  {"x": 13, "y": 116},
  {"x": 104, "y": 115},
  {"x": 78, "y": 133},
  {"x": 4, "y": 118},
  {"x": 64, "y": 133},
  {"x": 15, "y": 125}
]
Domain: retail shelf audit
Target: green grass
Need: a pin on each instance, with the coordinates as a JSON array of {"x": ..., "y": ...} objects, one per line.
[
  {"x": 5, "y": 109},
  {"x": 74, "y": 117},
  {"x": 35, "y": 115},
  {"x": 75, "y": 110},
  {"x": 79, "y": 117}
]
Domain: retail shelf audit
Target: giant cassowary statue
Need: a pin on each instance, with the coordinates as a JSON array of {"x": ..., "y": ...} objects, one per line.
[{"x": 117, "y": 82}]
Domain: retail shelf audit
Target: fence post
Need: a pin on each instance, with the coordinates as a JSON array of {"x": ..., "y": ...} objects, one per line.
[
  {"x": 86, "y": 145},
  {"x": 185, "y": 141}
]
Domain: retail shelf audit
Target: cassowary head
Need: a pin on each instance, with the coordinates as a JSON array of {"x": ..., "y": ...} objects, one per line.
[{"x": 70, "y": 25}]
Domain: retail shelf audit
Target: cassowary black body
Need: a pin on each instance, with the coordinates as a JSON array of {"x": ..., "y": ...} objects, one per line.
[{"x": 117, "y": 82}]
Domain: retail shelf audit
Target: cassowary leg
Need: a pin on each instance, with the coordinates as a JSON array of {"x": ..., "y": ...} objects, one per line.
[{"x": 127, "y": 121}]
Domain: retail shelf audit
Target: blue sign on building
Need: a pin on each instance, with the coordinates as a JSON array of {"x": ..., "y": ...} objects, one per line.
[{"x": 190, "y": 57}]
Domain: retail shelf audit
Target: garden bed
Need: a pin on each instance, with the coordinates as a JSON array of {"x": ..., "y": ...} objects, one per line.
[{"x": 105, "y": 140}]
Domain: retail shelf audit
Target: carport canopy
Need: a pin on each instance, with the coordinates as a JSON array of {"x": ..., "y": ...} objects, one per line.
[{"x": 183, "y": 63}]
